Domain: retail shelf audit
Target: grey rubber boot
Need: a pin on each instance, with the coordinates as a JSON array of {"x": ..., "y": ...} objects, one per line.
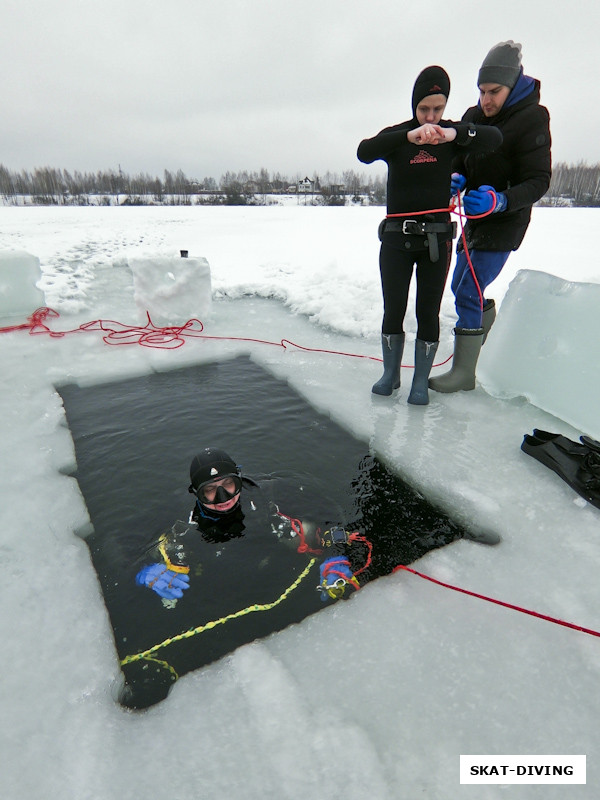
[
  {"x": 467, "y": 344},
  {"x": 392, "y": 347},
  {"x": 488, "y": 317},
  {"x": 424, "y": 355}
]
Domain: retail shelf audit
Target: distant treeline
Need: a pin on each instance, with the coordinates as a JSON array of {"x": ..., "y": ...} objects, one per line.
[
  {"x": 575, "y": 184},
  {"x": 50, "y": 186},
  {"x": 572, "y": 185}
]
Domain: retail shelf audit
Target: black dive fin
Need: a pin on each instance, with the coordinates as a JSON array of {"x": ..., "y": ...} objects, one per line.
[
  {"x": 593, "y": 444},
  {"x": 577, "y": 464}
]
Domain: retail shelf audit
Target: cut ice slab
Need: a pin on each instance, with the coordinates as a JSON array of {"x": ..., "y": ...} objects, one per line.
[
  {"x": 172, "y": 290},
  {"x": 545, "y": 346},
  {"x": 19, "y": 275}
]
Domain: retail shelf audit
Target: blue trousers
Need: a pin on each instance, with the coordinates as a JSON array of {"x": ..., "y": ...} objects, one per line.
[{"x": 487, "y": 265}]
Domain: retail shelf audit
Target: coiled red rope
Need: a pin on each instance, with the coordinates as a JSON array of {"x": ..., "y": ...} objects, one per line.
[
  {"x": 36, "y": 323},
  {"x": 165, "y": 338}
]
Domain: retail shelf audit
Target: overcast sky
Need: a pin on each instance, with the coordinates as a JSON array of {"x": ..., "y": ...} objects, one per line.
[{"x": 208, "y": 86}]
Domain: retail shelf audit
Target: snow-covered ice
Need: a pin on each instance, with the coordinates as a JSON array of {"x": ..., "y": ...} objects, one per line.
[{"x": 379, "y": 696}]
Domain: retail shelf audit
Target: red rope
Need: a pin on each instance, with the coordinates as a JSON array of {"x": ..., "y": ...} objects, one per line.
[
  {"x": 298, "y": 529},
  {"x": 303, "y": 547},
  {"x": 356, "y": 537},
  {"x": 164, "y": 338},
  {"x": 34, "y": 322},
  {"x": 466, "y": 249},
  {"x": 537, "y": 614},
  {"x": 451, "y": 209}
]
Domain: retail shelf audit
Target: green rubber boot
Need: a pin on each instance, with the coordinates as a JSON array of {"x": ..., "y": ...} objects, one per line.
[{"x": 467, "y": 345}]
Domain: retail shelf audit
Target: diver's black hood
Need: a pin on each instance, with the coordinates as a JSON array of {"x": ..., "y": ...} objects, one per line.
[{"x": 211, "y": 464}]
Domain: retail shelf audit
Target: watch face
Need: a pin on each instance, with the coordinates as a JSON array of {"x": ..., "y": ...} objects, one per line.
[{"x": 338, "y": 535}]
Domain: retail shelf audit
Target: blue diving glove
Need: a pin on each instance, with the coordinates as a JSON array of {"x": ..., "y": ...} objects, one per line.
[
  {"x": 501, "y": 202},
  {"x": 334, "y": 574},
  {"x": 481, "y": 201},
  {"x": 457, "y": 183},
  {"x": 163, "y": 581}
]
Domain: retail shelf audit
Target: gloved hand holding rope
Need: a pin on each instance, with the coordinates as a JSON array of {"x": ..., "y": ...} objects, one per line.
[
  {"x": 165, "y": 582},
  {"x": 335, "y": 573}
]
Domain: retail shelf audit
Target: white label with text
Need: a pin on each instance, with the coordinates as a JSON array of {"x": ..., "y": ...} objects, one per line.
[{"x": 522, "y": 769}]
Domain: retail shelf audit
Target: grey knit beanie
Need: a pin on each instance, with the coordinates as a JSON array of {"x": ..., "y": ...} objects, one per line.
[{"x": 501, "y": 65}]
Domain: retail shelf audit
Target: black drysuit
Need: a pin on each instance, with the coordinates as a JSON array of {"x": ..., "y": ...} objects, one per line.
[{"x": 418, "y": 180}]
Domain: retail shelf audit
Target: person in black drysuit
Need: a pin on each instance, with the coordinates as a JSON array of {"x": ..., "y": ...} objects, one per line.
[
  {"x": 419, "y": 156},
  {"x": 502, "y": 185},
  {"x": 236, "y": 554},
  {"x": 228, "y": 506}
]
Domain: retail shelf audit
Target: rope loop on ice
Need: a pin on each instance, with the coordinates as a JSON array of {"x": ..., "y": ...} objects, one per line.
[{"x": 168, "y": 337}]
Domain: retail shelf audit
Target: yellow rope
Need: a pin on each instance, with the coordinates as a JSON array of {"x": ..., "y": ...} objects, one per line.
[
  {"x": 146, "y": 654},
  {"x": 164, "y": 664}
]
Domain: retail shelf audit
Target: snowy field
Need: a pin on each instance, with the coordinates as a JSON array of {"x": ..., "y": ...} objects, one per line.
[{"x": 377, "y": 697}]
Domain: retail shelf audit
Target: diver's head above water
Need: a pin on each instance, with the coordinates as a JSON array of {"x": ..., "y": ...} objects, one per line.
[{"x": 216, "y": 481}]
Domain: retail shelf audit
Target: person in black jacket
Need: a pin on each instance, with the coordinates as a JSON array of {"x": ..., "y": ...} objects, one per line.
[
  {"x": 502, "y": 186},
  {"x": 418, "y": 230}
]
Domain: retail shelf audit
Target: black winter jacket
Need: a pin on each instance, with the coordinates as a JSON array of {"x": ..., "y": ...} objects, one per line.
[{"x": 521, "y": 168}]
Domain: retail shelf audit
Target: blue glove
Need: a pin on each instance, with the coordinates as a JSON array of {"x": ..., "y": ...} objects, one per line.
[
  {"x": 334, "y": 574},
  {"x": 480, "y": 201},
  {"x": 163, "y": 581},
  {"x": 501, "y": 202},
  {"x": 457, "y": 183}
]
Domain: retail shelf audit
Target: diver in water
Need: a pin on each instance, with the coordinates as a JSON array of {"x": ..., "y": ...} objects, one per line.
[
  {"x": 229, "y": 506},
  {"x": 241, "y": 569},
  {"x": 223, "y": 576}
]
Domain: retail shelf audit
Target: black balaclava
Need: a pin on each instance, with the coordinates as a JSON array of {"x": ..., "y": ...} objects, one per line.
[{"x": 432, "y": 80}]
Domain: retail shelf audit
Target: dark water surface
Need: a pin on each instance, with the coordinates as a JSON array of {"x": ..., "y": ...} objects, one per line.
[{"x": 134, "y": 440}]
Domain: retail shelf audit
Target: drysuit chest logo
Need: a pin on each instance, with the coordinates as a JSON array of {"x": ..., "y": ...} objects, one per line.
[{"x": 423, "y": 157}]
